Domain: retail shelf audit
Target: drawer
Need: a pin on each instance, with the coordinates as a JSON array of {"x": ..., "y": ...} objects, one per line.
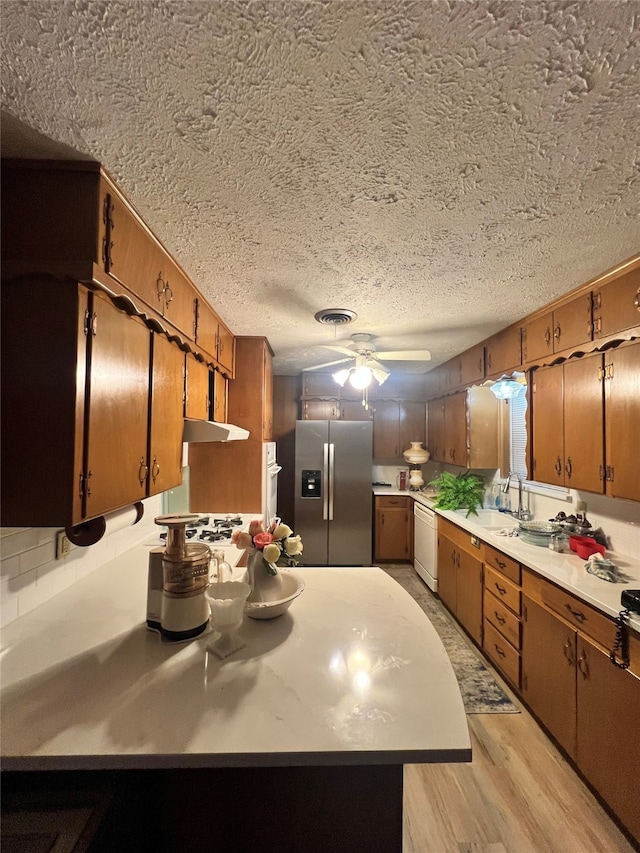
[
  {"x": 499, "y": 561},
  {"x": 585, "y": 618},
  {"x": 503, "y": 589},
  {"x": 393, "y": 501},
  {"x": 462, "y": 538},
  {"x": 502, "y": 654},
  {"x": 502, "y": 619}
]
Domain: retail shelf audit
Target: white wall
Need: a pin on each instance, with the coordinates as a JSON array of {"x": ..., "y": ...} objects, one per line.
[{"x": 30, "y": 574}]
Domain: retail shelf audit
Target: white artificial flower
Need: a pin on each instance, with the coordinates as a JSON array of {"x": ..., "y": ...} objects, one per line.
[
  {"x": 271, "y": 553},
  {"x": 293, "y": 546},
  {"x": 282, "y": 531}
]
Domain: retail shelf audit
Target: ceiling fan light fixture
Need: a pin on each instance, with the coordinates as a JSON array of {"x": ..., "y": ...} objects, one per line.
[
  {"x": 341, "y": 376},
  {"x": 361, "y": 376},
  {"x": 380, "y": 375}
]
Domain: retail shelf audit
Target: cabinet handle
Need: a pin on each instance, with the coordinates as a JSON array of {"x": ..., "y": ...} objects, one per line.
[
  {"x": 160, "y": 286},
  {"x": 87, "y": 488},
  {"x": 636, "y": 301},
  {"x": 107, "y": 259},
  {"x": 558, "y": 466},
  {"x": 500, "y": 618},
  {"x": 458, "y": 560},
  {"x": 567, "y": 651},
  {"x": 557, "y": 332},
  {"x": 143, "y": 470},
  {"x": 568, "y": 467},
  {"x": 499, "y": 650},
  {"x": 155, "y": 469},
  {"x": 168, "y": 295},
  {"x": 547, "y": 336},
  {"x": 500, "y": 589},
  {"x": 489, "y": 359},
  {"x": 583, "y": 665},
  {"x": 601, "y": 472},
  {"x": 501, "y": 564},
  {"x": 577, "y": 615}
]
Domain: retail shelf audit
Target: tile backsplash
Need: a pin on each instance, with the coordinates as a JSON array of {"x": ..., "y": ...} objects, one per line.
[{"x": 30, "y": 574}]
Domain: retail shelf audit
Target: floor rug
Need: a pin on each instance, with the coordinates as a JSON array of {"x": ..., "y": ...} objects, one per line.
[{"x": 481, "y": 693}]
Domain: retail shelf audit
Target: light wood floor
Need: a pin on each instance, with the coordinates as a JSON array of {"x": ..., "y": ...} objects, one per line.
[{"x": 518, "y": 795}]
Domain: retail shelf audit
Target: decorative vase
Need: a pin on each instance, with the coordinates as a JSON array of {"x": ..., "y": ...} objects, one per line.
[
  {"x": 265, "y": 586},
  {"x": 416, "y": 454}
]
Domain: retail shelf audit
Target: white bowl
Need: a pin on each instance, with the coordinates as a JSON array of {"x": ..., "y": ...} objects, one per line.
[{"x": 292, "y": 586}]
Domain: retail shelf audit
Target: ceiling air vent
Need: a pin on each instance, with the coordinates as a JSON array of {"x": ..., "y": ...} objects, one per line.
[{"x": 335, "y": 316}]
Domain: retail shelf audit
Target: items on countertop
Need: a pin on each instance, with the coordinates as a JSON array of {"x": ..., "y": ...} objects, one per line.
[
  {"x": 585, "y": 546},
  {"x": 606, "y": 569}
]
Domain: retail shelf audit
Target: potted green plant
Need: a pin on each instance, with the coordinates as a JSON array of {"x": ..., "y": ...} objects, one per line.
[{"x": 461, "y": 491}]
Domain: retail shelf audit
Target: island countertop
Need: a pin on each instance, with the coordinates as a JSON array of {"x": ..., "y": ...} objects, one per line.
[{"x": 354, "y": 673}]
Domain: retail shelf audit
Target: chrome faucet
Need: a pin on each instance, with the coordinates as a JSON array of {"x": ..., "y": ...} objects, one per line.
[{"x": 521, "y": 513}]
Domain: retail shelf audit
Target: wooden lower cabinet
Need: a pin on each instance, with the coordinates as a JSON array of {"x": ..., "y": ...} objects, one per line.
[
  {"x": 549, "y": 672},
  {"x": 608, "y": 730},
  {"x": 393, "y": 528},
  {"x": 460, "y": 578}
]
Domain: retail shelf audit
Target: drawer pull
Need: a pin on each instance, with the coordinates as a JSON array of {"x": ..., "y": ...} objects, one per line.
[
  {"x": 500, "y": 589},
  {"x": 500, "y": 618},
  {"x": 501, "y": 564},
  {"x": 499, "y": 650},
  {"x": 577, "y": 615}
]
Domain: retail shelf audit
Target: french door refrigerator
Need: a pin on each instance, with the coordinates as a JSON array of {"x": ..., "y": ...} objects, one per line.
[{"x": 334, "y": 498}]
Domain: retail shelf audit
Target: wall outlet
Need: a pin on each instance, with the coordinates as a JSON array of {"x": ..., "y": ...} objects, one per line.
[{"x": 63, "y": 545}]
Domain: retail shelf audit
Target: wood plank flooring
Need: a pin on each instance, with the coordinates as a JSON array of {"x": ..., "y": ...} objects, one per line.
[{"x": 518, "y": 795}]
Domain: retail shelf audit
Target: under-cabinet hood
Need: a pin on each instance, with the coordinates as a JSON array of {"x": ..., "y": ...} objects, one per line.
[{"x": 212, "y": 431}]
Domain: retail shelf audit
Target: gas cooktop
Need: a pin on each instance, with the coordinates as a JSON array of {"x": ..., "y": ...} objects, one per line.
[{"x": 213, "y": 528}]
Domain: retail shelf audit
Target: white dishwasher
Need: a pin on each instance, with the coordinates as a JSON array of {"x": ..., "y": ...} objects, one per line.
[{"x": 425, "y": 549}]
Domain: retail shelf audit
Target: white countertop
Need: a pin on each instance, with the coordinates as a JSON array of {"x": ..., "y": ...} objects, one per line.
[
  {"x": 354, "y": 673},
  {"x": 567, "y": 570}
]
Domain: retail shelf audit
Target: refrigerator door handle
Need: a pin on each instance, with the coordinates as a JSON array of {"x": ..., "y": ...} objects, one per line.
[
  {"x": 325, "y": 478},
  {"x": 332, "y": 456}
]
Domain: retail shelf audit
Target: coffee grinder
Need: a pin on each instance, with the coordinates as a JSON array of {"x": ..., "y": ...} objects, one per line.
[{"x": 179, "y": 610}]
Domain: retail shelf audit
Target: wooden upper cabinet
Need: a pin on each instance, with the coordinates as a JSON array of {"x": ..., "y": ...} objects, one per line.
[
  {"x": 396, "y": 424},
  {"x": 472, "y": 365},
  {"x": 167, "y": 415},
  {"x": 616, "y": 305},
  {"x": 197, "y": 392},
  {"x": 563, "y": 328},
  {"x": 435, "y": 425},
  {"x": 471, "y": 436},
  {"x": 503, "y": 352},
  {"x": 622, "y": 413},
  {"x": 219, "y": 397},
  {"x": 214, "y": 337},
  {"x": 250, "y": 394},
  {"x": 316, "y": 384},
  {"x": 568, "y": 420},
  {"x": 455, "y": 429}
]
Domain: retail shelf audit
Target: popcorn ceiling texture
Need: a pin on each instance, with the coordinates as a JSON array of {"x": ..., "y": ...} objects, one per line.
[{"x": 441, "y": 168}]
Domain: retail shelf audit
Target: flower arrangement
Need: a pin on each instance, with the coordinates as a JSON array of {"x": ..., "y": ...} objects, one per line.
[{"x": 278, "y": 544}]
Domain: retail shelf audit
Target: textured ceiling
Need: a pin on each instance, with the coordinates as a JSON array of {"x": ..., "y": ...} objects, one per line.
[{"x": 441, "y": 168}]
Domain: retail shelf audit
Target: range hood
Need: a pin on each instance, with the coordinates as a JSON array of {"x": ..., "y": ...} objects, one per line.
[{"x": 212, "y": 431}]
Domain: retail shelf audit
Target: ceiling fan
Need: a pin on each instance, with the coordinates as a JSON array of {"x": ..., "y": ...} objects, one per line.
[{"x": 362, "y": 352}]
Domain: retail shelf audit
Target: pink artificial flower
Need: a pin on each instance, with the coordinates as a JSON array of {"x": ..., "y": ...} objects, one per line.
[
  {"x": 262, "y": 539},
  {"x": 255, "y": 527},
  {"x": 241, "y": 539}
]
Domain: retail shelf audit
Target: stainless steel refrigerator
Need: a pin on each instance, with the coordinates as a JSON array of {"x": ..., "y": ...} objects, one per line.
[{"x": 334, "y": 498}]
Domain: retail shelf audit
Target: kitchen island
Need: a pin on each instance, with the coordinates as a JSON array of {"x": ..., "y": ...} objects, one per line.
[{"x": 302, "y": 734}]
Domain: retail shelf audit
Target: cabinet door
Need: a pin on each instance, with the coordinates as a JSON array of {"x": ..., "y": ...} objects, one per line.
[
  {"x": 584, "y": 423},
  {"x": 455, "y": 429},
  {"x": 549, "y": 672},
  {"x": 267, "y": 394},
  {"x": 386, "y": 415},
  {"x": 392, "y": 534},
  {"x": 622, "y": 408},
  {"x": 178, "y": 303},
  {"x": 436, "y": 441},
  {"x": 615, "y": 305},
  {"x": 503, "y": 352},
  {"x": 469, "y": 595},
  {"x": 167, "y": 416},
  {"x": 219, "y": 397},
  {"x": 226, "y": 349},
  {"x": 548, "y": 425},
  {"x": 572, "y": 323},
  {"x": 116, "y": 441},
  {"x": 472, "y": 365},
  {"x": 413, "y": 424},
  {"x": 447, "y": 571},
  {"x": 608, "y": 731},
  {"x": 537, "y": 338},
  {"x": 353, "y": 410},
  {"x": 320, "y": 410},
  {"x": 319, "y": 385},
  {"x": 196, "y": 390}
]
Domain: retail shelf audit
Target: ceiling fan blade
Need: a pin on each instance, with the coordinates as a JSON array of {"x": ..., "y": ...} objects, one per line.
[
  {"x": 406, "y": 355},
  {"x": 338, "y": 348},
  {"x": 327, "y": 364}
]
